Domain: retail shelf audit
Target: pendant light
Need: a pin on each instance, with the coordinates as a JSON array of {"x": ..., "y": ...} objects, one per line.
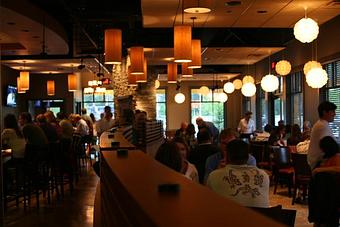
[
  {"x": 306, "y": 29},
  {"x": 50, "y": 87},
  {"x": 229, "y": 87},
  {"x": 197, "y": 6},
  {"x": 196, "y": 62},
  {"x": 142, "y": 78},
  {"x": 20, "y": 91},
  {"x": 317, "y": 78},
  {"x": 204, "y": 90},
  {"x": 237, "y": 84},
  {"x": 113, "y": 46},
  {"x": 248, "y": 89},
  {"x": 269, "y": 82},
  {"x": 179, "y": 98},
  {"x": 25, "y": 79},
  {"x": 132, "y": 79},
  {"x": 137, "y": 60},
  {"x": 72, "y": 82},
  {"x": 172, "y": 73},
  {"x": 248, "y": 79},
  {"x": 186, "y": 71},
  {"x": 157, "y": 84},
  {"x": 283, "y": 67},
  {"x": 311, "y": 65}
]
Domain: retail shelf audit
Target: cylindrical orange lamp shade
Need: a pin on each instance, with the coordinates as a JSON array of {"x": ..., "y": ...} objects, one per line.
[
  {"x": 186, "y": 72},
  {"x": 113, "y": 46},
  {"x": 142, "y": 78},
  {"x": 196, "y": 54},
  {"x": 137, "y": 60},
  {"x": 182, "y": 43},
  {"x": 132, "y": 79},
  {"x": 50, "y": 87},
  {"x": 172, "y": 73},
  {"x": 20, "y": 91},
  {"x": 25, "y": 80},
  {"x": 72, "y": 82}
]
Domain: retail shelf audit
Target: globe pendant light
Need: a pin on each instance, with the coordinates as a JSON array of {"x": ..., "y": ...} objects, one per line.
[
  {"x": 50, "y": 87},
  {"x": 237, "y": 84},
  {"x": 182, "y": 43},
  {"x": 283, "y": 67},
  {"x": 137, "y": 60},
  {"x": 157, "y": 84},
  {"x": 229, "y": 87},
  {"x": 172, "y": 73},
  {"x": 113, "y": 46},
  {"x": 223, "y": 97},
  {"x": 317, "y": 78},
  {"x": 179, "y": 98},
  {"x": 248, "y": 79},
  {"x": 306, "y": 30},
  {"x": 311, "y": 65},
  {"x": 270, "y": 83},
  {"x": 248, "y": 89},
  {"x": 204, "y": 90}
]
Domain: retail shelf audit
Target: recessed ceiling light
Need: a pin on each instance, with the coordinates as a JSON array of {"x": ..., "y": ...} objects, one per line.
[
  {"x": 232, "y": 3},
  {"x": 262, "y": 11},
  {"x": 10, "y": 23},
  {"x": 25, "y": 30}
]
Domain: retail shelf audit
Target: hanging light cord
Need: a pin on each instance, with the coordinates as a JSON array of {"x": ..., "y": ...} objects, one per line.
[{"x": 179, "y": 3}]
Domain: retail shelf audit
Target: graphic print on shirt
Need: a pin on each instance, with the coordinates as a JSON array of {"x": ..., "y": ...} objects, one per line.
[{"x": 244, "y": 187}]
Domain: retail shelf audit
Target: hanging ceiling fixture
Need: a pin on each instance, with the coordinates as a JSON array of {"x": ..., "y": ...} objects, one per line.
[
  {"x": 157, "y": 84},
  {"x": 142, "y": 78},
  {"x": 237, "y": 84},
  {"x": 306, "y": 29},
  {"x": 311, "y": 65},
  {"x": 179, "y": 98},
  {"x": 186, "y": 71},
  {"x": 197, "y": 6},
  {"x": 204, "y": 90},
  {"x": 113, "y": 46},
  {"x": 317, "y": 78},
  {"x": 72, "y": 82},
  {"x": 269, "y": 83},
  {"x": 137, "y": 60},
  {"x": 283, "y": 67},
  {"x": 50, "y": 88},
  {"x": 196, "y": 62},
  {"x": 229, "y": 87},
  {"x": 248, "y": 79},
  {"x": 25, "y": 79},
  {"x": 132, "y": 79},
  {"x": 20, "y": 91},
  {"x": 248, "y": 89},
  {"x": 172, "y": 73},
  {"x": 223, "y": 97}
]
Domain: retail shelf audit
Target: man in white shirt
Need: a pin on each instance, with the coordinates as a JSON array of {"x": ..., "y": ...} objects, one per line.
[
  {"x": 242, "y": 183},
  {"x": 81, "y": 127},
  {"x": 104, "y": 124},
  {"x": 246, "y": 127},
  {"x": 320, "y": 129}
]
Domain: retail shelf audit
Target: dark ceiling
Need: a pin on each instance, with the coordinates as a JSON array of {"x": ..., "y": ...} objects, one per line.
[{"x": 86, "y": 20}]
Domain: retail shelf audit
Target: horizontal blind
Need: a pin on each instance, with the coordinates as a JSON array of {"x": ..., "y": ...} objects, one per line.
[{"x": 333, "y": 95}]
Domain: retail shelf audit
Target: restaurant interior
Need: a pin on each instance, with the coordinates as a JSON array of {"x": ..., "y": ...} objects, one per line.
[{"x": 166, "y": 64}]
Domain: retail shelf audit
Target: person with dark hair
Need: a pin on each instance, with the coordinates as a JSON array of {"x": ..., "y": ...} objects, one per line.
[
  {"x": 219, "y": 160},
  {"x": 320, "y": 129},
  {"x": 295, "y": 137},
  {"x": 244, "y": 184},
  {"x": 276, "y": 137},
  {"x": 188, "y": 169},
  {"x": 190, "y": 138},
  {"x": 246, "y": 127},
  {"x": 169, "y": 155},
  {"x": 203, "y": 150},
  {"x": 33, "y": 134},
  {"x": 49, "y": 130},
  {"x": 12, "y": 137}
]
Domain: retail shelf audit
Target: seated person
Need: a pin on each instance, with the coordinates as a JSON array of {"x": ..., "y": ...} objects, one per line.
[
  {"x": 276, "y": 137},
  {"x": 331, "y": 157},
  {"x": 295, "y": 137},
  {"x": 219, "y": 159},
  {"x": 244, "y": 184},
  {"x": 188, "y": 169},
  {"x": 169, "y": 155}
]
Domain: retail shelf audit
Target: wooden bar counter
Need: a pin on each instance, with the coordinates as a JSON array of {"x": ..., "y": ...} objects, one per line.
[{"x": 129, "y": 196}]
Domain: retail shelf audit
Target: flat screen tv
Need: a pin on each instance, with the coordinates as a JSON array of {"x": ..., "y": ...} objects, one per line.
[{"x": 11, "y": 96}]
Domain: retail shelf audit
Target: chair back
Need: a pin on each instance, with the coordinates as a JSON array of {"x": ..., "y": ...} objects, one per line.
[
  {"x": 281, "y": 157},
  {"x": 284, "y": 216},
  {"x": 300, "y": 164},
  {"x": 257, "y": 150}
]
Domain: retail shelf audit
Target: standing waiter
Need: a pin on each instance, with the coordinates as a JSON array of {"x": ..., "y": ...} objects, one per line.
[{"x": 246, "y": 127}]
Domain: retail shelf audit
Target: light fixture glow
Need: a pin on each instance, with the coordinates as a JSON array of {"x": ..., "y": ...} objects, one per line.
[
  {"x": 270, "y": 83},
  {"x": 229, "y": 87},
  {"x": 157, "y": 84},
  {"x": 50, "y": 87},
  {"x": 20, "y": 91},
  {"x": 306, "y": 30},
  {"x": 179, "y": 98},
  {"x": 248, "y": 89},
  {"x": 113, "y": 46},
  {"x": 237, "y": 84},
  {"x": 317, "y": 78},
  {"x": 72, "y": 82},
  {"x": 142, "y": 78},
  {"x": 248, "y": 79},
  {"x": 283, "y": 67},
  {"x": 172, "y": 73},
  {"x": 25, "y": 80},
  {"x": 182, "y": 43},
  {"x": 100, "y": 90},
  {"x": 204, "y": 90},
  {"x": 311, "y": 65},
  {"x": 186, "y": 72},
  {"x": 196, "y": 62},
  {"x": 132, "y": 79},
  {"x": 88, "y": 90},
  {"x": 197, "y": 6},
  {"x": 137, "y": 60},
  {"x": 223, "y": 97}
]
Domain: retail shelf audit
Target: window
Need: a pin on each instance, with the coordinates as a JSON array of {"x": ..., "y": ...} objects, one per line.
[
  {"x": 332, "y": 93},
  {"x": 206, "y": 107},
  {"x": 261, "y": 107},
  {"x": 161, "y": 106},
  {"x": 295, "y": 98},
  {"x": 279, "y": 109},
  {"x": 95, "y": 102}
]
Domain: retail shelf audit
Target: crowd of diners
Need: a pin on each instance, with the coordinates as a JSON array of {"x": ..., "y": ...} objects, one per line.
[{"x": 223, "y": 162}]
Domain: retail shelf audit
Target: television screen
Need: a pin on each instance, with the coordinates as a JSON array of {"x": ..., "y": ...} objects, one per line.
[{"x": 11, "y": 96}]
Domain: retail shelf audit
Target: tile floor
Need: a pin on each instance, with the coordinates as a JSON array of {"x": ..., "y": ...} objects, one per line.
[{"x": 77, "y": 210}]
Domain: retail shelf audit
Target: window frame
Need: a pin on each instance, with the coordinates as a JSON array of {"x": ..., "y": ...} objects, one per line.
[{"x": 166, "y": 105}]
